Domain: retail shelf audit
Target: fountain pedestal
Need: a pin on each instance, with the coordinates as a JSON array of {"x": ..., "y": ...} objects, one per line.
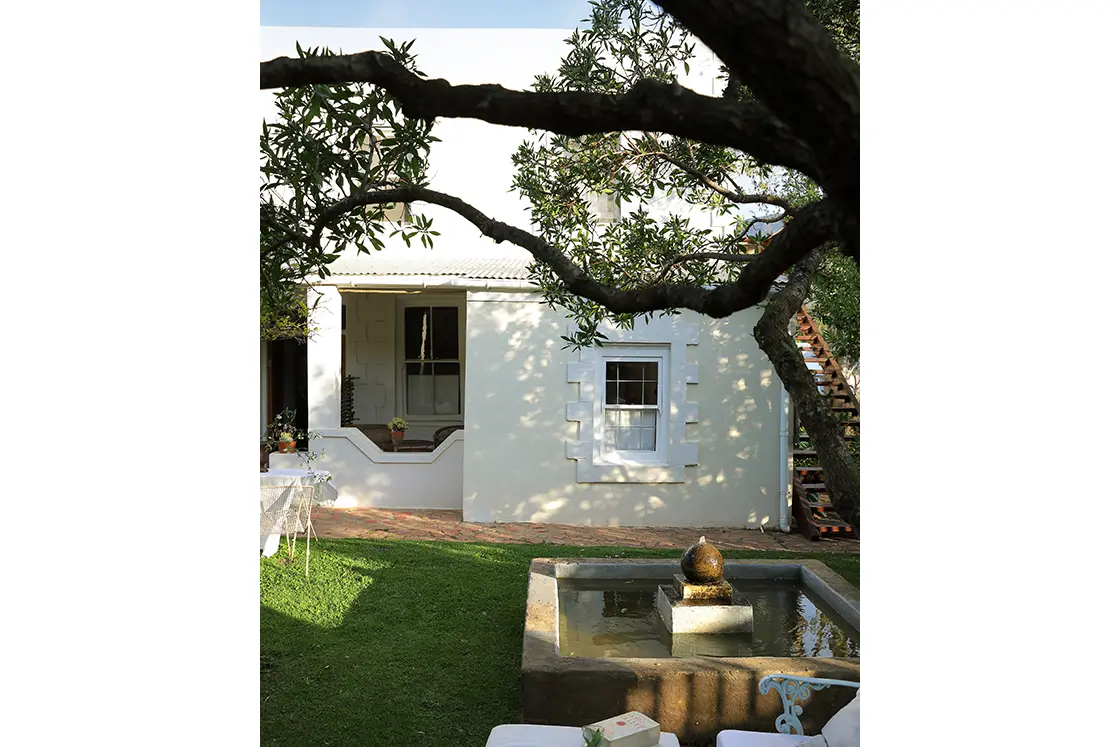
[{"x": 713, "y": 607}]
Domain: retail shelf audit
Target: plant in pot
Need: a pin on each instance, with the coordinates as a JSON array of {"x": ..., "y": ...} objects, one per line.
[
  {"x": 397, "y": 427},
  {"x": 282, "y": 432}
]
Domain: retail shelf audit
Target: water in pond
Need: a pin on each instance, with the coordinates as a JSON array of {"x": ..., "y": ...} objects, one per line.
[{"x": 604, "y": 618}]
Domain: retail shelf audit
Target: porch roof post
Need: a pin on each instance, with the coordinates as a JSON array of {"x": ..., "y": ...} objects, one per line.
[{"x": 324, "y": 358}]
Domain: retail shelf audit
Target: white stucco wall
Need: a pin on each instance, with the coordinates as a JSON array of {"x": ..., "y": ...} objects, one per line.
[
  {"x": 324, "y": 358},
  {"x": 515, "y": 462}
]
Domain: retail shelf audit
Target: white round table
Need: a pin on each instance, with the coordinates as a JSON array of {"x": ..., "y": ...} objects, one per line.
[{"x": 287, "y": 497}]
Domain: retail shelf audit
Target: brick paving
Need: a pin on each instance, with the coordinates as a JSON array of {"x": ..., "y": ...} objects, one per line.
[{"x": 375, "y": 523}]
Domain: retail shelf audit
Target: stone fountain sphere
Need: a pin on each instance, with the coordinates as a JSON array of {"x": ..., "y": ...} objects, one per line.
[{"x": 702, "y": 563}]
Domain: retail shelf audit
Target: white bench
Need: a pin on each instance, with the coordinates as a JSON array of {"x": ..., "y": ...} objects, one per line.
[{"x": 794, "y": 690}]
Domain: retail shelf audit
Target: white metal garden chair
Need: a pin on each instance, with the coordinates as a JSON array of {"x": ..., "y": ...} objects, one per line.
[
  {"x": 286, "y": 509},
  {"x": 795, "y": 690}
]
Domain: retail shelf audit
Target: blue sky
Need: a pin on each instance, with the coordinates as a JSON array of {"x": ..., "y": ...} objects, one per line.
[{"x": 541, "y": 14}]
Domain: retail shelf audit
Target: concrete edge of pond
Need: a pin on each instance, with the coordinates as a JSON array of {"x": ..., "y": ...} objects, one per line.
[{"x": 694, "y": 697}]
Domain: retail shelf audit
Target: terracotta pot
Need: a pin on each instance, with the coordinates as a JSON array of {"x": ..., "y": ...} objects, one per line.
[
  {"x": 397, "y": 436},
  {"x": 264, "y": 457},
  {"x": 287, "y": 447},
  {"x": 702, "y": 563}
]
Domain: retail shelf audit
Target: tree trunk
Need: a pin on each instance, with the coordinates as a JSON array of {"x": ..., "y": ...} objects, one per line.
[{"x": 822, "y": 425}]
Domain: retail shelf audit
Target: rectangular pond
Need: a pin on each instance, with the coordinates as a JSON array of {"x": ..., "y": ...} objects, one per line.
[
  {"x": 618, "y": 618},
  {"x": 594, "y": 646}
]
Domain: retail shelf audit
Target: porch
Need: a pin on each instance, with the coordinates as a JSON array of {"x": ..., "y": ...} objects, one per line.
[{"x": 387, "y": 352}]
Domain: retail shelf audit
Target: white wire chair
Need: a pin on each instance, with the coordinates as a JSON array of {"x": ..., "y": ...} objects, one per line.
[{"x": 286, "y": 510}]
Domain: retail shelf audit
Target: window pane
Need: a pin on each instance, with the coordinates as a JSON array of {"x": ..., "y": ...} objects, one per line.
[
  {"x": 630, "y": 430},
  {"x": 447, "y": 394},
  {"x": 415, "y": 320},
  {"x": 630, "y": 393},
  {"x": 622, "y": 418},
  {"x": 637, "y": 370},
  {"x": 419, "y": 395},
  {"x": 432, "y": 388},
  {"x": 636, "y": 383},
  {"x": 445, "y": 332},
  {"x": 628, "y": 439}
]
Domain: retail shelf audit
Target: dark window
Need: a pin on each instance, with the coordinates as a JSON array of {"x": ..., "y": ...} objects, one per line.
[
  {"x": 433, "y": 375},
  {"x": 431, "y": 333},
  {"x": 630, "y": 416}
]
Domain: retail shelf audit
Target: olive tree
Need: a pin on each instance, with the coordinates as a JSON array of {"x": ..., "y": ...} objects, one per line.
[{"x": 780, "y": 145}]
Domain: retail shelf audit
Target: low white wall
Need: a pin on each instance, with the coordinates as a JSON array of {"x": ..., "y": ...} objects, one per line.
[
  {"x": 363, "y": 476},
  {"x": 515, "y": 462}
]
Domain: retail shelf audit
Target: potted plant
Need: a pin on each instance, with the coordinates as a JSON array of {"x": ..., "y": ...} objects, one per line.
[
  {"x": 397, "y": 427},
  {"x": 287, "y": 443},
  {"x": 282, "y": 432}
]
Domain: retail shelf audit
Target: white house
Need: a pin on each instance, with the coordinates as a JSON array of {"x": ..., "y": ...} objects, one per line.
[{"x": 680, "y": 422}]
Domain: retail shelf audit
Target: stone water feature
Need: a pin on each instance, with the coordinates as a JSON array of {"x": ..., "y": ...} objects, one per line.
[
  {"x": 596, "y": 642},
  {"x": 700, "y": 600}
]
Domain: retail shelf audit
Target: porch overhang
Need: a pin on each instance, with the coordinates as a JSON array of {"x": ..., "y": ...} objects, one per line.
[{"x": 358, "y": 283}]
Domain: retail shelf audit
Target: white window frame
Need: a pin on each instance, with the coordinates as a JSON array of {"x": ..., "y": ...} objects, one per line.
[
  {"x": 633, "y": 354},
  {"x": 424, "y": 301}
]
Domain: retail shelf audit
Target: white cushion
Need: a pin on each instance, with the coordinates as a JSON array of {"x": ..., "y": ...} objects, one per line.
[
  {"x": 735, "y": 738},
  {"x": 842, "y": 730},
  {"x": 533, "y": 735}
]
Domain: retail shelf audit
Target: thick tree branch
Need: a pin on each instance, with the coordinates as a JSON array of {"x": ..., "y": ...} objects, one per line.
[
  {"x": 763, "y": 219},
  {"x": 791, "y": 64},
  {"x": 772, "y": 335},
  {"x": 813, "y": 226},
  {"x": 649, "y": 105},
  {"x": 718, "y": 256},
  {"x": 731, "y": 90}
]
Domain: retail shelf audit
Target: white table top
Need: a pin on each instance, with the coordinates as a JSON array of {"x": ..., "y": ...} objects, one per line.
[
  {"x": 290, "y": 476},
  {"x": 532, "y": 735}
]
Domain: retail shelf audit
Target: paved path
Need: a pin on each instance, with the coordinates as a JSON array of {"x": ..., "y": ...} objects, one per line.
[{"x": 374, "y": 523}]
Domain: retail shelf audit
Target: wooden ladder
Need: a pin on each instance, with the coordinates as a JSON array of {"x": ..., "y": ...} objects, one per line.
[{"x": 813, "y": 511}]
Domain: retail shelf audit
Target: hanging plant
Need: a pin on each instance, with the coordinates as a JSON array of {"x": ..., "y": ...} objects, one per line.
[{"x": 347, "y": 416}]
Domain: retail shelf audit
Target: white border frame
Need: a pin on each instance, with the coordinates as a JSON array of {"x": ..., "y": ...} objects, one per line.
[{"x": 664, "y": 332}]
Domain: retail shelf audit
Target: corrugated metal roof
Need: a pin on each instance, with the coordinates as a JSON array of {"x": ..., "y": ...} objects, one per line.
[{"x": 482, "y": 268}]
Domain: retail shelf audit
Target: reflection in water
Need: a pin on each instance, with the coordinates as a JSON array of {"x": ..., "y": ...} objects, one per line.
[{"x": 608, "y": 618}]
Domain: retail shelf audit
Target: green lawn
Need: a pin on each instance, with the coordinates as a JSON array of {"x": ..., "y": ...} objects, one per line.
[{"x": 406, "y": 643}]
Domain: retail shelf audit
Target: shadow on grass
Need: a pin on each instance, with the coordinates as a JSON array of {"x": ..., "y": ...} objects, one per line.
[{"x": 405, "y": 642}]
